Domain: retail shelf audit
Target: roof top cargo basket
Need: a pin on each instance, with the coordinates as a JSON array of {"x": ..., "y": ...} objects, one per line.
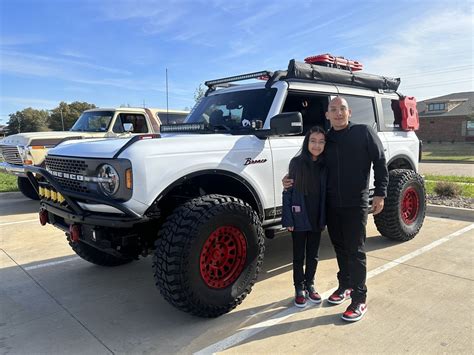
[{"x": 299, "y": 70}]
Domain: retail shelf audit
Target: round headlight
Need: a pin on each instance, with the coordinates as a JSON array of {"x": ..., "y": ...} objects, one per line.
[{"x": 109, "y": 180}]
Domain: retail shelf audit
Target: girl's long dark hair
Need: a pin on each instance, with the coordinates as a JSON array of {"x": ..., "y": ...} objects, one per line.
[{"x": 301, "y": 165}]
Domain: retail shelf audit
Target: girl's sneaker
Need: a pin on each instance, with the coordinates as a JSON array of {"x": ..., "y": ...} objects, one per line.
[
  {"x": 300, "y": 299},
  {"x": 313, "y": 296}
]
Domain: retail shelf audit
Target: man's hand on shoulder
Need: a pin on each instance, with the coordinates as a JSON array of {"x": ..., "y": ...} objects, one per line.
[
  {"x": 377, "y": 204},
  {"x": 287, "y": 182}
]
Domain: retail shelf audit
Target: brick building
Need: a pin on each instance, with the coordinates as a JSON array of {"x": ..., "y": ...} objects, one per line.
[{"x": 448, "y": 118}]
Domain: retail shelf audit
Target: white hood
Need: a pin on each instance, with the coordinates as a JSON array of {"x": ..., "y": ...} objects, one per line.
[
  {"x": 39, "y": 138},
  {"x": 97, "y": 148}
]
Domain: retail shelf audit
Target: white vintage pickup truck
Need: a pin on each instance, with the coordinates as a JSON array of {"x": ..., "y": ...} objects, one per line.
[{"x": 30, "y": 148}]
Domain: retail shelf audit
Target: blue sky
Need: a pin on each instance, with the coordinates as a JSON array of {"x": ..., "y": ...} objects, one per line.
[{"x": 115, "y": 52}]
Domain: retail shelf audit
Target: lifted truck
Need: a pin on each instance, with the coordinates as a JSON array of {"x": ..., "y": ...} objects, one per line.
[
  {"x": 31, "y": 148},
  {"x": 201, "y": 196}
]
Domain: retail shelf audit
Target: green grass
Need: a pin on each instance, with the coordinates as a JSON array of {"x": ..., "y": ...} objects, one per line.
[
  {"x": 467, "y": 190},
  {"x": 7, "y": 183},
  {"x": 465, "y": 179},
  {"x": 448, "y": 151}
]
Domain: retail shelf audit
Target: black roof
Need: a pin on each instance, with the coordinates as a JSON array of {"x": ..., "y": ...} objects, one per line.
[{"x": 463, "y": 105}]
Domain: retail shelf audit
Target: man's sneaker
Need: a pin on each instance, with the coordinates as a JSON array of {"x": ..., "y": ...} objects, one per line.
[
  {"x": 340, "y": 295},
  {"x": 355, "y": 311},
  {"x": 313, "y": 296},
  {"x": 300, "y": 299}
]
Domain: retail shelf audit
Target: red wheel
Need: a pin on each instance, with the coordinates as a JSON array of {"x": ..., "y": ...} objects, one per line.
[
  {"x": 223, "y": 257},
  {"x": 410, "y": 205}
]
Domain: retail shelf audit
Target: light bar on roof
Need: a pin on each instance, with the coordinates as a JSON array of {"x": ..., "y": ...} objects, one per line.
[{"x": 255, "y": 75}]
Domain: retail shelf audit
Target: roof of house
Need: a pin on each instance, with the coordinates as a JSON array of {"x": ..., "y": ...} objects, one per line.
[{"x": 463, "y": 105}]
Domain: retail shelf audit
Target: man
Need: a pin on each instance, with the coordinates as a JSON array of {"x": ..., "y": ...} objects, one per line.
[{"x": 350, "y": 150}]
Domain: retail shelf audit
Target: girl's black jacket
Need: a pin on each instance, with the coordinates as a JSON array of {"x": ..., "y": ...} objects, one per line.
[
  {"x": 294, "y": 211},
  {"x": 349, "y": 154}
]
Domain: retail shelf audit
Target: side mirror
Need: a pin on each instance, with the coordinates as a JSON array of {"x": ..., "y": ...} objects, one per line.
[
  {"x": 128, "y": 127},
  {"x": 286, "y": 123}
]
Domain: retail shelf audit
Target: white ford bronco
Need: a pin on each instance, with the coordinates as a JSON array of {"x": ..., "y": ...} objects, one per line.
[
  {"x": 201, "y": 196},
  {"x": 31, "y": 148}
]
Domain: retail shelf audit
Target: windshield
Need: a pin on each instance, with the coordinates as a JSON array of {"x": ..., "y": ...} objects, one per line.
[
  {"x": 93, "y": 121},
  {"x": 234, "y": 110}
]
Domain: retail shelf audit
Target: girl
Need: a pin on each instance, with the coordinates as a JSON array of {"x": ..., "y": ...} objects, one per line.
[{"x": 304, "y": 212}]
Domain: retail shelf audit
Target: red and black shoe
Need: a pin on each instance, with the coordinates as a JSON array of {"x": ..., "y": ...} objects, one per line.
[
  {"x": 300, "y": 298},
  {"x": 340, "y": 295},
  {"x": 355, "y": 311},
  {"x": 313, "y": 295}
]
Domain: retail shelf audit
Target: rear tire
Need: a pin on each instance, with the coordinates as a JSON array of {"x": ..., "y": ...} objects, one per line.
[
  {"x": 26, "y": 188},
  {"x": 405, "y": 206},
  {"x": 208, "y": 255}
]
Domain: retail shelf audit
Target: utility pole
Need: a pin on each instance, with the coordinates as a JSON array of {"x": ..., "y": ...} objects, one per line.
[{"x": 62, "y": 119}]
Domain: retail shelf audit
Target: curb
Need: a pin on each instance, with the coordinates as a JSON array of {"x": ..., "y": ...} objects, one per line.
[{"x": 450, "y": 212}]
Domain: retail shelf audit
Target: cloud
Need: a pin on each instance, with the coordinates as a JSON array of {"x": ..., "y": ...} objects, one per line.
[
  {"x": 28, "y": 101},
  {"x": 433, "y": 55},
  {"x": 44, "y": 66}
]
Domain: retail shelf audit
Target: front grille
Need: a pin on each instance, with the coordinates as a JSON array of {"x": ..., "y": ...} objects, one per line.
[
  {"x": 69, "y": 166},
  {"x": 11, "y": 154}
]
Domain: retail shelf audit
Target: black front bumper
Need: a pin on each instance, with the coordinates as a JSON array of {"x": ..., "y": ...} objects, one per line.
[{"x": 73, "y": 213}]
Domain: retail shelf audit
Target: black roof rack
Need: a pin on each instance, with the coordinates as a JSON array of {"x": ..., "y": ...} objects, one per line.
[
  {"x": 314, "y": 72},
  {"x": 212, "y": 84}
]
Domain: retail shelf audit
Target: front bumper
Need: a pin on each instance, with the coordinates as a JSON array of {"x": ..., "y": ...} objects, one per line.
[
  {"x": 72, "y": 211},
  {"x": 18, "y": 170}
]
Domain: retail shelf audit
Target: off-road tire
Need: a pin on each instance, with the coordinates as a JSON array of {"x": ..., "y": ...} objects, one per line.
[
  {"x": 405, "y": 206},
  {"x": 25, "y": 187},
  {"x": 96, "y": 256},
  {"x": 184, "y": 242}
]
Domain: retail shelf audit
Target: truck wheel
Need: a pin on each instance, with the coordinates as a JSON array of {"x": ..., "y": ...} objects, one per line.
[
  {"x": 208, "y": 255},
  {"x": 405, "y": 206},
  {"x": 26, "y": 188},
  {"x": 95, "y": 256}
]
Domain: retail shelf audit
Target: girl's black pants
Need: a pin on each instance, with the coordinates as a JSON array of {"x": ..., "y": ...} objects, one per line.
[{"x": 305, "y": 244}]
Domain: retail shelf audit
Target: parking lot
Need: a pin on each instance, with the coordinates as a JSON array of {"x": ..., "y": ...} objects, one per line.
[{"x": 420, "y": 299}]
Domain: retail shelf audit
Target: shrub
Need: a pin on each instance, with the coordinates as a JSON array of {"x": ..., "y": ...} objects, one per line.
[{"x": 447, "y": 189}]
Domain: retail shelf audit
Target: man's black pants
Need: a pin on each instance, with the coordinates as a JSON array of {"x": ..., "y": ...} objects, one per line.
[
  {"x": 347, "y": 230},
  {"x": 305, "y": 243}
]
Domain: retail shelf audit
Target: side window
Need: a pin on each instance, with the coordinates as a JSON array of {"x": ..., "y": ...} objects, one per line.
[
  {"x": 312, "y": 109},
  {"x": 362, "y": 110},
  {"x": 118, "y": 125},
  {"x": 392, "y": 115},
  {"x": 138, "y": 121},
  {"x": 171, "y": 118}
]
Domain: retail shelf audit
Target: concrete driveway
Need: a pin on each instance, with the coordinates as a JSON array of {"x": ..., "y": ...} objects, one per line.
[{"x": 52, "y": 302}]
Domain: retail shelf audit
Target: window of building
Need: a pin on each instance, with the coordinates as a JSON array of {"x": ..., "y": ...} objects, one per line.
[
  {"x": 470, "y": 128},
  {"x": 437, "y": 107}
]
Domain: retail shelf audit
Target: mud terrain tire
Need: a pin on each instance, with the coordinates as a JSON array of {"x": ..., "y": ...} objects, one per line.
[
  {"x": 405, "y": 206},
  {"x": 208, "y": 255}
]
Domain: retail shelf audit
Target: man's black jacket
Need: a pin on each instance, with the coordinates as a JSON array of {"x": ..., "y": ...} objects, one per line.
[{"x": 349, "y": 154}]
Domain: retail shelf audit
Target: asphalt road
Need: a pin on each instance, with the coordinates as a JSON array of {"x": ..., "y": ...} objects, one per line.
[
  {"x": 458, "y": 169},
  {"x": 420, "y": 299}
]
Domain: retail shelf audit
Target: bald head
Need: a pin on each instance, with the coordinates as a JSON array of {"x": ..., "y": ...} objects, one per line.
[{"x": 338, "y": 113}]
